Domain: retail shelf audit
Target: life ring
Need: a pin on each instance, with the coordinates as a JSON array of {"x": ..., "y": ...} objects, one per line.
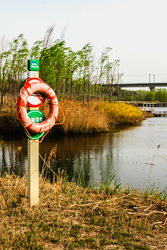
[
  {"x": 28, "y": 89},
  {"x": 35, "y": 100}
]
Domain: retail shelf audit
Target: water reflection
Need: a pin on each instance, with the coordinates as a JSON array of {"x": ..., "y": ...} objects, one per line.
[
  {"x": 12, "y": 155},
  {"x": 131, "y": 154},
  {"x": 82, "y": 156}
]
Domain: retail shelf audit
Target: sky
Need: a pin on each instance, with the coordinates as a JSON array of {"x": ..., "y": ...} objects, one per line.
[{"x": 134, "y": 29}]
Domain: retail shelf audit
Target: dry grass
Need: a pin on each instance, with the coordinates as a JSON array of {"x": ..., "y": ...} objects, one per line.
[
  {"x": 79, "y": 118},
  {"x": 73, "y": 217},
  {"x": 83, "y": 118},
  {"x": 8, "y": 116},
  {"x": 95, "y": 116},
  {"x": 8, "y": 121}
]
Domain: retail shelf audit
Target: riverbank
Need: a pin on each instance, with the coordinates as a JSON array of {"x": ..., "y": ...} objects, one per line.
[
  {"x": 73, "y": 217},
  {"x": 81, "y": 118}
]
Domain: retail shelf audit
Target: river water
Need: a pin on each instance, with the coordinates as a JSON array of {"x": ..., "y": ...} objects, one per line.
[{"x": 136, "y": 155}]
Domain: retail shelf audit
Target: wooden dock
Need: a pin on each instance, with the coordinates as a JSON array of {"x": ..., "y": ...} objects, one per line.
[
  {"x": 151, "y": 108},
  {"x": 159, "y": 113}
]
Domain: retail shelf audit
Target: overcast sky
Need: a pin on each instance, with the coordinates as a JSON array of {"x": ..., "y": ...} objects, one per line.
[{"x": 135, "y": 29}]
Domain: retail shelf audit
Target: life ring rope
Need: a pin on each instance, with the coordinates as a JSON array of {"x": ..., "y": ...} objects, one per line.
[{"x": 36, "y": 141}]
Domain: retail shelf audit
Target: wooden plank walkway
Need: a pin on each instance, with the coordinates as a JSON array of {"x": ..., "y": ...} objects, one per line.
[{"x": 159, "y": 113}]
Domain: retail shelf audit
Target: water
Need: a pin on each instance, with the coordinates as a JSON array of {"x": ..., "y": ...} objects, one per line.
[{"x": 136, "y": 155}]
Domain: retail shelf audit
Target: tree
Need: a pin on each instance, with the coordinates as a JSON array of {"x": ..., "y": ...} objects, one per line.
[
  {"x": 35, "y": 51},
  {"x": 52, "y": 64},
  {"x": 85, "y": 60},
  {"x": 108, "y": 70}
]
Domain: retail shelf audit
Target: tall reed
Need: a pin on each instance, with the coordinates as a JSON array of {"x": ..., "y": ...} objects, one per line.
[
  {"x": 91, "y": 117},
  {"x": 81, "y": 118}
]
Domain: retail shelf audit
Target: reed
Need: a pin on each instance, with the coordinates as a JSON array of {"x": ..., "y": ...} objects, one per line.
[
  {"x": 91, "y": 117},
  {"x": 95, "y": 116},
  {"x": 83, "y": 118}
]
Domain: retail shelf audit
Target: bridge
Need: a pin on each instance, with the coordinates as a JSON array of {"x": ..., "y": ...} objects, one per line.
[{"x": 138, "y": 85}]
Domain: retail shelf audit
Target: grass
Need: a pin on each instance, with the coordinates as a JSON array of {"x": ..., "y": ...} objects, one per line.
[
  {"x": 80, "y": 118},
  {"x": 97, "y": 117},
  {"x": 94, "y": 116},
  {"x": 72, "y": 217}
]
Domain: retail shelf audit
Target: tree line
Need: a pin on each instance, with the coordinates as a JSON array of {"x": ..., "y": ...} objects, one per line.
[
  {"x": 142, "y": 95},
  {"x": 71, "y": 74}
]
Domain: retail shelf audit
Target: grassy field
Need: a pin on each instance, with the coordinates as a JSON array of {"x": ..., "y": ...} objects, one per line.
[{"x": 72, "y": 217}]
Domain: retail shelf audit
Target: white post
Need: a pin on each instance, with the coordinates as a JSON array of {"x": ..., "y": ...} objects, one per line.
[
  {"x": 33, "y": 172},
  {"x": 33, "y": 169}
]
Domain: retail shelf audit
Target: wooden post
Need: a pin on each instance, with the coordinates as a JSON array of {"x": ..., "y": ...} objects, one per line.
[
  {"x": 33, "y": 172},
  {"x": 33, "y": 169}
]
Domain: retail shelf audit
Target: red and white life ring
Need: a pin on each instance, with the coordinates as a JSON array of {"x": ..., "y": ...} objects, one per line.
[
  {"x": 36, "y": 99},
  {"x": 28, "y": 89}
]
